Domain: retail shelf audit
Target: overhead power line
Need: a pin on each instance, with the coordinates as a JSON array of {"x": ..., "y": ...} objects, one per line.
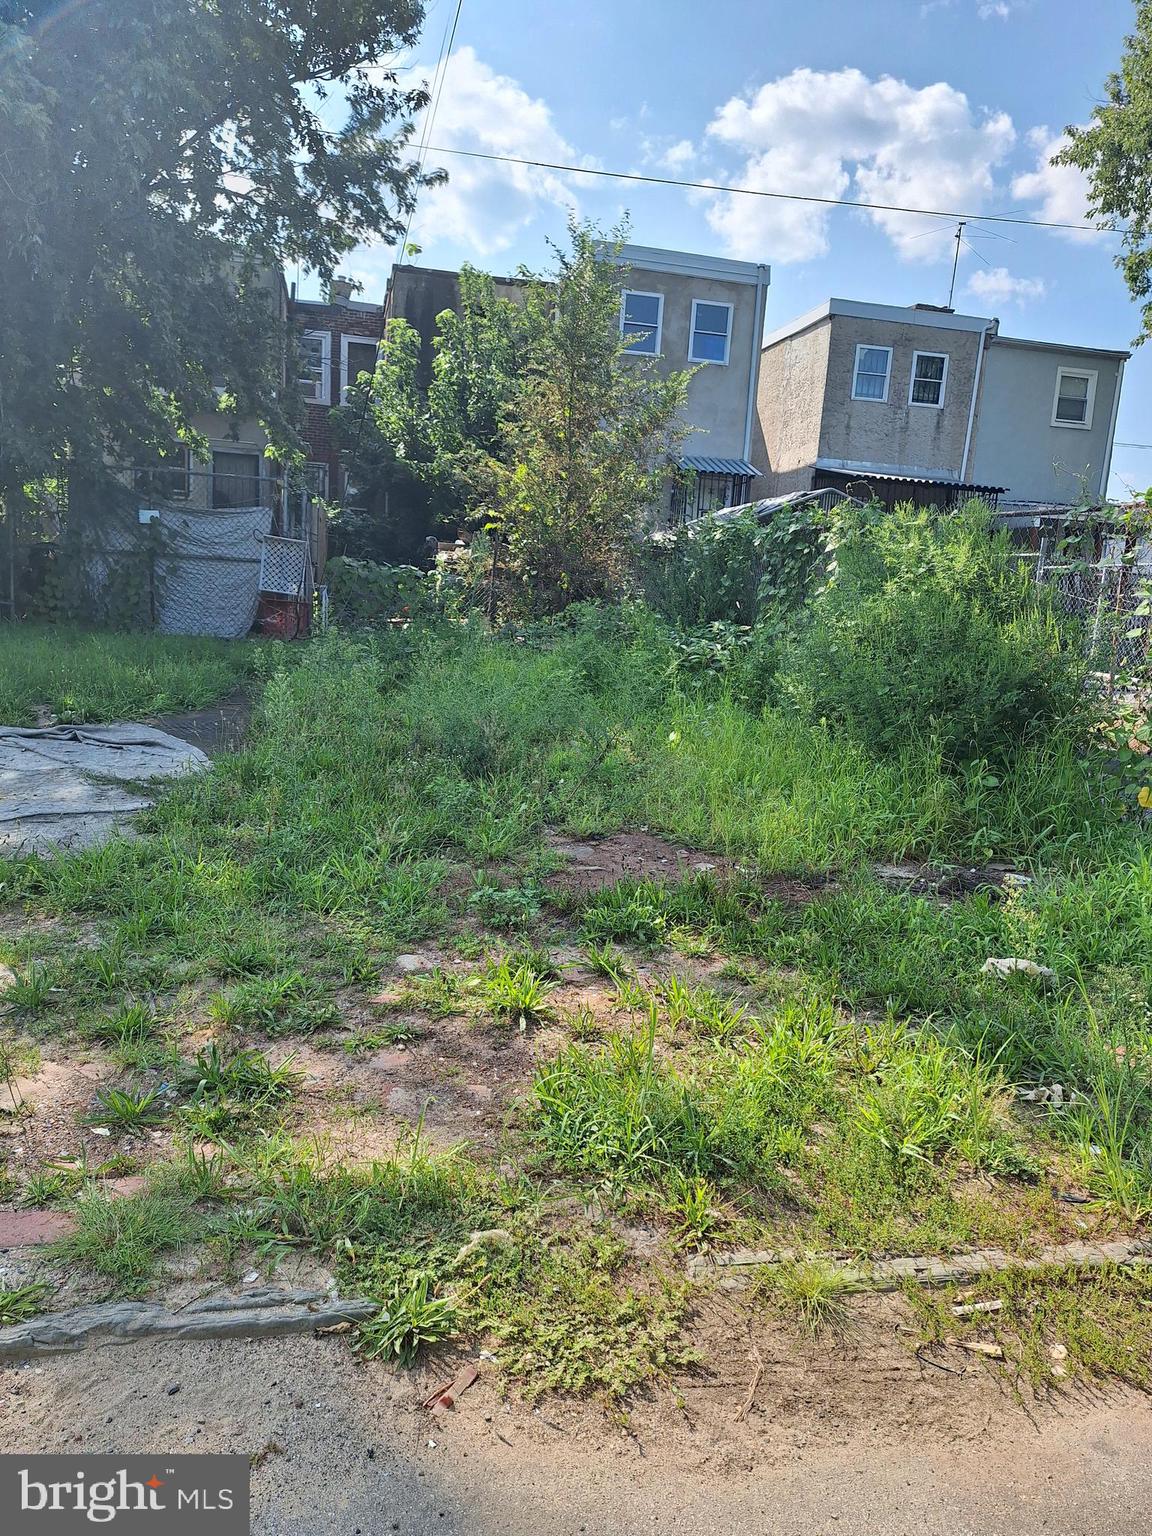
[
  {"x": 434, "y": 95},
  {"x": 790, "y": 197}
]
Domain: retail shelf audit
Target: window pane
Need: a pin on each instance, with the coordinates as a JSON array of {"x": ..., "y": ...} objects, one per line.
[
  {"x": 708, "y": 349},
  {"x": 236, "y": 480},
  {"x": 873, "y": 360},
  {"x": 642, "y": 309},
  {"x": 1074, "y": 386},
  {"x": 713, "y": 317},
  {"x": 1071, "y": 409},
  {"x": 930, "y": 368},
  {"x": 361, "y": 359},
  {"x": 640, "y": 338}
]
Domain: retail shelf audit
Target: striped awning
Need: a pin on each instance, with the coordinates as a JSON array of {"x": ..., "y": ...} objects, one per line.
[{"x": 703, "y": 464}]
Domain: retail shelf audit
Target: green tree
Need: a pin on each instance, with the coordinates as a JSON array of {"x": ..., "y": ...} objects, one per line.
[
  {"x": 1115, "y": 149},
  {"x": 426, "y": 460},
  {"x": 158, "y": 158},
  {"x": 584, "y": 454}
]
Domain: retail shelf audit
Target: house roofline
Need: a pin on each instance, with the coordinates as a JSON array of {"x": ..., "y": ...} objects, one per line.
[
  {"x": 651, "y": 258},
  {"x": 1058, "y": 346},
  {"x": 902, "y": 314}
]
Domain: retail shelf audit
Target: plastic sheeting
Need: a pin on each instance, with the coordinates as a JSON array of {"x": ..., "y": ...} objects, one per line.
[
  {"x": 208, "y": 579},
  {"x": 71, "y": 786}
]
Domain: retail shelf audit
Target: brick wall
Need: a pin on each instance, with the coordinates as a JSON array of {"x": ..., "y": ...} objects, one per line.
[{"x": 338, "y": 320}]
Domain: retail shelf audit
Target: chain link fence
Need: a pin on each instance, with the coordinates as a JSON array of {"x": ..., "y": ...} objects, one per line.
[
  {"x": 180, "y": 550},
  {"x": 1109, "y": 594}
]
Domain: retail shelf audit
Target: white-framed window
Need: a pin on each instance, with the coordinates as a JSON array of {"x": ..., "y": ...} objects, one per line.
[
  {"x": 357, "y": 356},
  {"x": 316, "y": 478},
  {"x": 711, "y": 332},
  {"x": 316, "y": 366},
  {"x": 641, "y": 321},
  {"x": 929, "y": 379},
  {"x": 871, "y": 374},
  {"x": 1074, "y": 399}
]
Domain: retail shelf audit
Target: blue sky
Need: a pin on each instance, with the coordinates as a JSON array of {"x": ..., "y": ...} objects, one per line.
[{"x": 929, "y": 103}]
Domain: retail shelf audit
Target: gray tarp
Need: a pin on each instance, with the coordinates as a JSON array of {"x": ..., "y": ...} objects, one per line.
[
  {"x": 70, "y": 786},
  {"x": 209, "y": 575}
]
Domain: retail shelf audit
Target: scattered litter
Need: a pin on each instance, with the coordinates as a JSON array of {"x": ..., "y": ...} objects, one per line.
[
  {"x": 481, "y": 1242},
  {"x": 172, "y": 1388},
  {"x": 445, "y": 1397},
  {"x": 1009, "y": 966},
  {"x": 976, "y": 1347},
  {"x": 967, "y": 1308},
  {"x": 1058, "y": 1354},
  {"x": 100, "y": 1130},
  {"x": 1053, "y": 1094},
  {"x": 250, "y": 1278}
]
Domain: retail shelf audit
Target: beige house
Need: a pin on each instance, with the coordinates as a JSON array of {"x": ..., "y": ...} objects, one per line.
[
  {"x": 705, "y": 313},
  {"x": 920, "y": 403},
  {"x": 685, "y": 311}
]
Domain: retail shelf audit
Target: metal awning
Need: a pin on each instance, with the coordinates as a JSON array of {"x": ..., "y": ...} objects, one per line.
[
  {"x": 914, "y": 479},
  {"x": 704, "y": 464}
]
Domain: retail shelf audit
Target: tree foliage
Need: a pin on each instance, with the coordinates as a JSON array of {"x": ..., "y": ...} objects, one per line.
[
  {"x": 158, "y": 158},
  {"x": 1115, "y": 149},
  {"x": 425, "y": 459},
  {"x": 535, "y": 426},
  {"x": 586, "y": 445}
]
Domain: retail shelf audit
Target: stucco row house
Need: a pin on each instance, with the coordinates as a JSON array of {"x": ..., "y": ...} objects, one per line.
[{"x": 895, "y": 402}]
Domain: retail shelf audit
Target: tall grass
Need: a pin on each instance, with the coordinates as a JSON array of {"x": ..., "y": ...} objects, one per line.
[{"x": 82, "y": 675}]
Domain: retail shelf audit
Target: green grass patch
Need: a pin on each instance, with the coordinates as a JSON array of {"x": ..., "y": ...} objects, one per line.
[
  {"x": 1054, "y": 1326},
  {"x": 82, "y": 675}
]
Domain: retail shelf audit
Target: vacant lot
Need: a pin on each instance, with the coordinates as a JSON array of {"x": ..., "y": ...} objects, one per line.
[{"x": 503, "y": 978}]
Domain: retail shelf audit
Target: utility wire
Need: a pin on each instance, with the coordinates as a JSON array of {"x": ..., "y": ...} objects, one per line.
[
  {"x": 422, "y": 149},
  {"x": 791, "y": 197}
]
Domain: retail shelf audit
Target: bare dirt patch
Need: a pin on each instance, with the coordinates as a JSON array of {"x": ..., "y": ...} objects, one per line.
[
  {"x": 218, "y": 729},
  {"x": 591, "y": 863}
]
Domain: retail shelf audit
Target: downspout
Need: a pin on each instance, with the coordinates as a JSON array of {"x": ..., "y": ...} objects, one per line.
[
  {"x": 1111, "y": 435},
  {"x": 976, "y": 382},
  {"x": 763, "y": 278}
]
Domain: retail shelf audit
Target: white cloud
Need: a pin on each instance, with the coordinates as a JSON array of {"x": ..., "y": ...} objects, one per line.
[
  {"x": 485, "y": 205},
  {"x": 1060, "y": 190},
  {"x": 986, "y": 10},
  {"x": 838, "y": 133},
  {"x": 678, "y": 157},
  {"x": 996, "y": 285}
]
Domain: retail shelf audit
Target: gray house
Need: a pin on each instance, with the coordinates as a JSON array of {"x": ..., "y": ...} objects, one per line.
[
  {"x": 686, "y": 311},
  {"x": 923, "y": 404}
]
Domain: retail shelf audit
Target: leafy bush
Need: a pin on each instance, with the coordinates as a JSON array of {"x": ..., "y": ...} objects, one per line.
[
  {"x": 928, "y": 632},
  {"x": 363, "y": 593},
  {"x": 735, "y": 571}
]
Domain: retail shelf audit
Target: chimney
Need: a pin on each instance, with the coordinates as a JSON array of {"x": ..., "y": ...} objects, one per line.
[{"x": 340, "y": 290}]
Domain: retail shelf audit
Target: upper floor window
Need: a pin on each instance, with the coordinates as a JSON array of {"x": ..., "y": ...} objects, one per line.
[
  {"x": 1075, "y": 397},
  {"x": 870, "y": 377},
  {"x": 711, "y": 332},
  {"x": 357, "y": 356},
  {"x": 316, "y": 366},
  {"x": 929, "y": 376},
  {"x": 641, "y": 318}
]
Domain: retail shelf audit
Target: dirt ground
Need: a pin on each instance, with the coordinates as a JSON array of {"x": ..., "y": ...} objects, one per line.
[
  {"x": 774, "y": 1433},
  {"x": 346, "y": 1450}
]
